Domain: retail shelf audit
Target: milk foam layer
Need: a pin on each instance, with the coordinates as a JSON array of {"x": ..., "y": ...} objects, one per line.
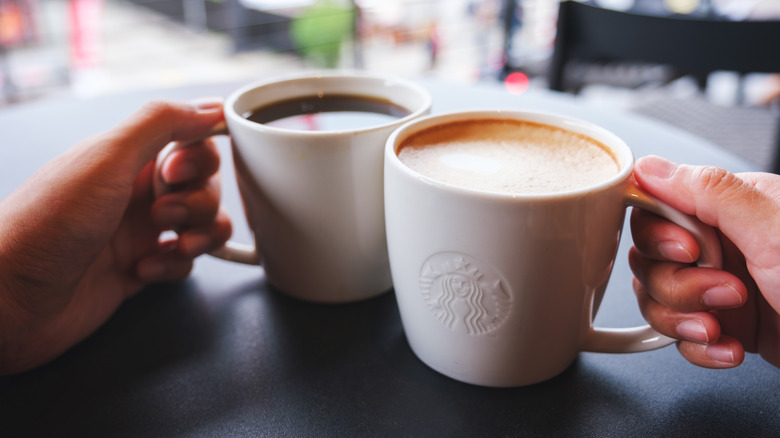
[{"x": 508, "y": 156}]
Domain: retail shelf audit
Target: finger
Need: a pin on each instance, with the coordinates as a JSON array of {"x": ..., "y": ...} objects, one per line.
[
  {"x": 723, "y": 200},
  {"x": 659, "y": 239},
  {"x": 686, "y": 288},
  {"x": 698, "y": 327},
  {"x": 727, "y": 352},
  {"x": 196, "y": 241},
  {"x": 174, "y": 259},
  {"x": 138, "y": 139},
  {"x": 192, "y": 163},
  {"x": 192, "y": 205},
  {"x": 718, "y": 198},
  {"x": 168, "y": 264}
]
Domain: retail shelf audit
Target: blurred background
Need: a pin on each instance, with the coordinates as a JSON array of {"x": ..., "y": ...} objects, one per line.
[{"x": 87, "y": 48}]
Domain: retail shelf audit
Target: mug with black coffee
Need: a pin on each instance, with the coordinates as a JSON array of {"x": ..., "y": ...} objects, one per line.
[
  {"x": 502, "y": 230},
  {"x": 308, "y": 153}
]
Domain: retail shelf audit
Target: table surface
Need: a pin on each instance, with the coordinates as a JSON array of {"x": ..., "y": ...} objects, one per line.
[{"x": 222, "y": 354}]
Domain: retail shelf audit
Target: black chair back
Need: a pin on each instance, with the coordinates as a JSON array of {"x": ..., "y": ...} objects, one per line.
[
  {"x": 690, "y": 46},
  {"x": 694, "y": 46}
]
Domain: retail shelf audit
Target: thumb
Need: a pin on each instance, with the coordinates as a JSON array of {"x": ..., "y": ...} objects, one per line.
[
  {"x": 136, "y": 141},
  {"x": 715, "y": 196}
]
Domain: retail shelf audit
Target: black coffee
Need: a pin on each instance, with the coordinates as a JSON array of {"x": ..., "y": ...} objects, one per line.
[{"x": 328, "y": 112}]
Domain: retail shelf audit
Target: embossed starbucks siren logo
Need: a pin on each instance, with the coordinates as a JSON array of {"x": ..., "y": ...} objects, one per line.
[{"x": 464, "y": 293}]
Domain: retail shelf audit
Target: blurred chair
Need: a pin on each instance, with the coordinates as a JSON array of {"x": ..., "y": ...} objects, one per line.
[{"x": 688, "y": 46}]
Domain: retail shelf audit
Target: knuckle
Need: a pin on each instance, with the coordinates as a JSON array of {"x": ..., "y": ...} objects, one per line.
[
  {"x": 677, "y": 299},
  {"x": 682, "y": 295},
  {"x": 160, "y": 109},
  {"x": 158, "y": 105},
  {"x": 714, "y": 179},
  {"x": 203, "y": 205}
]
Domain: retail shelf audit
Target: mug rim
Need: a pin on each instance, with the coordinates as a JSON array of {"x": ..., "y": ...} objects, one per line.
[
  {"x": 617, "y": 146},
  {"x": 423, "y": 108}
]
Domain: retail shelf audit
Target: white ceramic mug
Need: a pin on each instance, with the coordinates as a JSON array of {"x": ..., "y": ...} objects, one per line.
[
  {"x": 313, "y": 199},
  {"x": 538, "y": 264}
]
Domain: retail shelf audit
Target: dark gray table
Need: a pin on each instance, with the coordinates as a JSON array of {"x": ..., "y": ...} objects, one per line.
[{"x": 222, "y": 354}]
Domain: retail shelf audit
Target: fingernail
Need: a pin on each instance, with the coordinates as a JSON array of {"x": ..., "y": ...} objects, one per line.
[
  {"x": 720, "y": 353},
  {"x": 693, "y": 330},
  {"x": 170, "y": 215},
  {"x": 674, "y": 251},
  {"x": 208, "y": 104},
  {"x": 656, "y": 167},
  {"x": 721, "y": 296}
]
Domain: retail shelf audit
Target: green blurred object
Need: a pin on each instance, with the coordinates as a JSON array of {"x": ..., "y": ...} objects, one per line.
[{"x": 320, "y": 30}]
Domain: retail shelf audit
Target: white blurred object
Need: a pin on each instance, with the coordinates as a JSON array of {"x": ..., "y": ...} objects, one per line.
[
  {"x": 263, "y": 5},
  {"x": 748, "y": 9},
  {"x": 620, "y": 5}
]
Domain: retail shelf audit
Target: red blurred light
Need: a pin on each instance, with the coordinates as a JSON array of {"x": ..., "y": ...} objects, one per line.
[{"x": 517, "y": 83}]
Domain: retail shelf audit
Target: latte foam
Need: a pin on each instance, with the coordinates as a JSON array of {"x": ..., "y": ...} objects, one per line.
[{"x": 508, "y": 156}]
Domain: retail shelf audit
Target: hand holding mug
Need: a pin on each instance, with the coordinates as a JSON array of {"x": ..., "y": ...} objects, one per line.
[
  {"x": 82, "y": 234},
  {"x": 716, "y": 314}
]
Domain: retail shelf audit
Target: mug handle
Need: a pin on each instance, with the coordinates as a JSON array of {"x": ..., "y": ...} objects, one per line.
[
  {"x": 230, "y": 251},
  {"x": 644, "y": 338}
]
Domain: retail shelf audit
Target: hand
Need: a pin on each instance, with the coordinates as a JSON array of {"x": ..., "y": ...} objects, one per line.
[
  {"x": 716, "y": 314},
  {"x": 83, "y": 233}
]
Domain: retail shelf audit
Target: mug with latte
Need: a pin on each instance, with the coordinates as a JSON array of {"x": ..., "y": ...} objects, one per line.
[
  {"x": 502, "y": 230},
  {"x": 308, "y": 153}
]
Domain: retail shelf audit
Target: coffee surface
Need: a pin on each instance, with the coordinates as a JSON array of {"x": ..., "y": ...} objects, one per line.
[
  {"x": 328, "y": 112},
  {"x": 508, "y": 156}
]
